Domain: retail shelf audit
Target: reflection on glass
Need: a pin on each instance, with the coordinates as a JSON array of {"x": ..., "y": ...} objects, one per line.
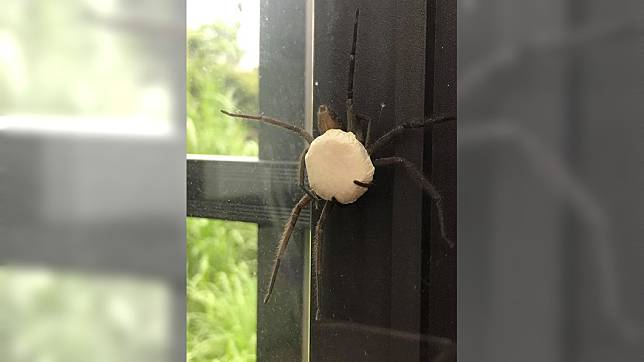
[
  {"x": 66, "y": 316},
  {"x": 223, "y": 44},
  {"x": 222, "y": 290}
]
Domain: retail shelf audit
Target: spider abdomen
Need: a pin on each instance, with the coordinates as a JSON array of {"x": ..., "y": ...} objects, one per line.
[{"x": 334, "y": 160}]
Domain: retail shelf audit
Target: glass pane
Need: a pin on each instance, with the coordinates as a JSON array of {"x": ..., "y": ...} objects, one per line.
[
  {"x": 222, "y": 66},
  {"x": 49, "y": 315},
  {"x": 221, "y": 290}
]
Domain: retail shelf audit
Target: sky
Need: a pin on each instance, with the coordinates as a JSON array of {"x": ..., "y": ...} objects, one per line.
[{"x": 244, "y": 12}]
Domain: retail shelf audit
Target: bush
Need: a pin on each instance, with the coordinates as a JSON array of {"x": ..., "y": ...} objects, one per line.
[
  {"x": 221, "y": 290},
  {"x": 222, "y": 256}
]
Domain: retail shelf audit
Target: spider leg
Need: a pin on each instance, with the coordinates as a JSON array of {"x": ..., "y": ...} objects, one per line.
[
  {"x": 424, "y": 184},
  {"x": 317, "y": 241},
  {"x": 283, "y": 242},
  {"x": 363, "y": 184},
  {"x": 389, "y": 136},
  {"x": 275, "y": 122},
  {"x": 351, "y": 120},
  {"x": 301, "y": 175},
  {"x": 368, "y": 138},
  {"x": 363, "y": 135}
]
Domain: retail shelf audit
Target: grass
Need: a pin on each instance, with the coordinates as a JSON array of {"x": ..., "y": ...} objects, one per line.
[{"x": 222, "y": 290}]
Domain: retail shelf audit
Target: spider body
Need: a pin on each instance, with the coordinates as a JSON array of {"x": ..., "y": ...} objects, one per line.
[{"x": 340, "y": 167}]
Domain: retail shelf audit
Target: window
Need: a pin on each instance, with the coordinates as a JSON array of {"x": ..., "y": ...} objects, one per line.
[
  {"x": 388, "y": 287},
  {"x": 239, "y": 184}
]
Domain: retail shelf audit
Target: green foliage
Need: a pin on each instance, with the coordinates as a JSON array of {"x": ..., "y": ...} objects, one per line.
[
  {"x": 222, "y": 290},
  {"x": 222, "y": 256},
  {"x": 214, "y": 82}
]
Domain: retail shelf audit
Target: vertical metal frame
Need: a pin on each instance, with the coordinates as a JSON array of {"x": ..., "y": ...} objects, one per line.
[
  {"x": 265, "y": 191},
  {"x": 282, "y": 330},
  {"x": 439, "y": 261}
]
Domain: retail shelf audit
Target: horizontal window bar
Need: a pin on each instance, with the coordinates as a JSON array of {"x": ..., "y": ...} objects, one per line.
[{"x": 240, "y": 189}]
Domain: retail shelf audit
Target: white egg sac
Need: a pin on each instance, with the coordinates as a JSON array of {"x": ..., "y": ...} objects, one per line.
[{"x": 334, "y": 160}]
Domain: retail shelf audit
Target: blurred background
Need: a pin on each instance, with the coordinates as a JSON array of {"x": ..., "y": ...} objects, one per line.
[
  {"x": 550, "y": 177},
  {"x": 92, "y": 180}
]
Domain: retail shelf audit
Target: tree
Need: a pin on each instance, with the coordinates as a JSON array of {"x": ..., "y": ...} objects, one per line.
[{"x": 214, "y": 82}]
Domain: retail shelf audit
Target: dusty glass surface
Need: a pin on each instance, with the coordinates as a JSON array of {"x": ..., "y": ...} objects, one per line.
[{"x": 240, "y": 170}]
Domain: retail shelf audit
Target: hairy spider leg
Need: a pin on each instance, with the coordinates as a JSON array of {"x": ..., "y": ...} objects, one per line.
[
  {"x": 418, "y": 177},
  {"x": 362, "y": 134},
  {"x": 365, "y": 136},
  {"x": 275, "y": 122},
  {"x": 317, "y": 244},
  {"x": 389, "y": 136},
  {"x": 351, "y": 120},
  {"x": 283, "y": 242},
  {"x": 363, "y": 184},
  {"x": 368, "y": 138},
  {"x": 301, "y": 171}
]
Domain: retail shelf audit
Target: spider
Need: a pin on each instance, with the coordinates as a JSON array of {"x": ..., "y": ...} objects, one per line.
[{"x": 339, "y": 166}]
